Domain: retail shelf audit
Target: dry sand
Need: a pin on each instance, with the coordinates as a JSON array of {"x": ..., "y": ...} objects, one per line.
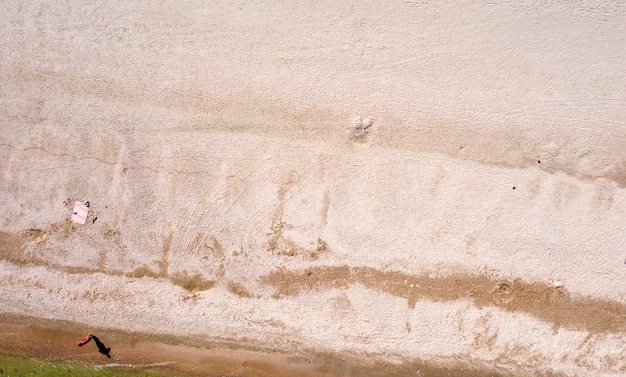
[{"x": 411, "y": 184}]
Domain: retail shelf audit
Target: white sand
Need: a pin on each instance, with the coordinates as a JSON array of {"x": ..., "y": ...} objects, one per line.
[{"x": 231, "y": 140}]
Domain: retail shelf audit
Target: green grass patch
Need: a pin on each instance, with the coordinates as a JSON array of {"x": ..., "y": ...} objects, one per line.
[{"x": 16, "y": 366}]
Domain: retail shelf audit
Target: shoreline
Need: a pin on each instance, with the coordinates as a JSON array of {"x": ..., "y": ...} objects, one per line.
[{"x": 55, "y": 340}]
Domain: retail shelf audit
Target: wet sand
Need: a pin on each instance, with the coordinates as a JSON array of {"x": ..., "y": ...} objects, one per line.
[{"x": 56, "y": 341}]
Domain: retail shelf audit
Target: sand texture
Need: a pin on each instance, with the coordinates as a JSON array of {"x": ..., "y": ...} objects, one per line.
[{"x": 414, "y": 184}]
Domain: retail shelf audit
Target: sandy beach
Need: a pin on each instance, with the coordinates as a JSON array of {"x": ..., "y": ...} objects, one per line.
[
  {"x": 56, "y": 341},
  {"x": 330, "y": 188}
]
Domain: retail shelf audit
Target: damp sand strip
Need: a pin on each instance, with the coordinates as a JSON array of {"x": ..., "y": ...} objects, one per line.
[{"x": 48, "y": 348}]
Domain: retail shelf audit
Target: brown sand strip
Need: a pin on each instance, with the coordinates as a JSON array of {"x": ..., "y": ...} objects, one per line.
[
  {"x": 56, "y": 340},
  {"x": 543, "y": 301},
  {"x": 13, "y": 249}
]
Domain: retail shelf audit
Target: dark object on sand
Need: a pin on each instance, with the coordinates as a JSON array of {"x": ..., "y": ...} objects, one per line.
[{"x": 101, "y": 347}]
